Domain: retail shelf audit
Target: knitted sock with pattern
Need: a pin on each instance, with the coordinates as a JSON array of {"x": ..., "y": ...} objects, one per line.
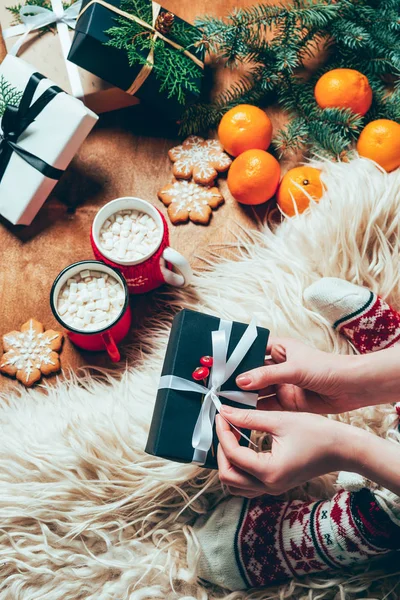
[
  {"x": 259, "y": 542},
  {"x": 363, "y": 317}
]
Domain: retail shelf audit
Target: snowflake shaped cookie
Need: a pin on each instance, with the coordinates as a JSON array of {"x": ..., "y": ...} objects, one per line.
[
  {"x": 202, "y": 159},
  {"x": 188, "y": 200},
  {"x": 31, "y": 352}
]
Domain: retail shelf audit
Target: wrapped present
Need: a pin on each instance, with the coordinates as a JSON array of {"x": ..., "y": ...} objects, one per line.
[
  {"x": 42, "y": 37},
  {"x": 182, "y": 428},
  {"x": 42, "y": 128},
  {"x": 142, "y": 48}
]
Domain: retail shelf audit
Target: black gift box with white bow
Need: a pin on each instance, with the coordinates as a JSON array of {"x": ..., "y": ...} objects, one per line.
[
  {"x": 182, "y": 427},
  {"x": 91, "y": 50}
]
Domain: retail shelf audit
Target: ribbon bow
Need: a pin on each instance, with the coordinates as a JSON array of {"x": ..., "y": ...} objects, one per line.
[
  {"x": 16, "y": 119},
  {"x": 221, "y": 371},
  {"x": 36, "y": 17}
]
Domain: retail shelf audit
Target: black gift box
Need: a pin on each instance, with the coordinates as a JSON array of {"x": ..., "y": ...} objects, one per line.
[
  {"x": 89, "y": 51},
  {"x": 175, "y": 413}
]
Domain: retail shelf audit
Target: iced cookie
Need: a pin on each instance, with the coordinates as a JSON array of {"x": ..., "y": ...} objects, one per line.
[
  {"x": 31, "y": 352},
  {"x": 200, "y": 159},
  {"x": 188, "y": 200}
]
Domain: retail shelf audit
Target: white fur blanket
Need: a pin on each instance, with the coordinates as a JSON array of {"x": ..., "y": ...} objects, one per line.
[{"x": 86, "y": 514}]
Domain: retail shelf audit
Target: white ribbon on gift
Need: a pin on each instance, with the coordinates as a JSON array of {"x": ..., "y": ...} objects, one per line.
[
  {"x": 221, "y": 371},
  {"x": 37, "y": 17}
]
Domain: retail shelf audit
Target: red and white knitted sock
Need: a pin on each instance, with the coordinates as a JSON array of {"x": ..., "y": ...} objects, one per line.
[
  {"x": 359, "y": 314},
  {"x": 264, "y": 541}
]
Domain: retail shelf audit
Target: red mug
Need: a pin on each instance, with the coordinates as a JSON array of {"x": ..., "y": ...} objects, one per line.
[
  {"x": 152, "y": 270},
  {"x": 102, "y": 339}
]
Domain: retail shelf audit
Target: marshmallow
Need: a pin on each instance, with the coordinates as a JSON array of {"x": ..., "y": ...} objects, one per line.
[
  {"x": 85, "y": 301},
  {"x": 62, "y": 309},
  {"x": 129, "y": 235}
]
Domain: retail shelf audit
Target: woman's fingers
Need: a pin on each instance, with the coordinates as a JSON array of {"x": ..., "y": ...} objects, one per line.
[
  {"x": 232, "y": 477},
  {"x": 244, "y": 493},
  {"x": 276, "y": 348},
  {"x": 241, "y": 457},
  {"x": 262, "y": 377},
  {"x": 247, "y": 418}
]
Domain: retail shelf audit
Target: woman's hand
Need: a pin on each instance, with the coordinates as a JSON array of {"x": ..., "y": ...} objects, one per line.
[
  {"x": 303, "y": 447},
  {"x": 309, "y": 380}
]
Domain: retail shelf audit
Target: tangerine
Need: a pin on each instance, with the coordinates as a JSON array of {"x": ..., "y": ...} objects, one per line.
[
  {"x": 244, "y": 127},
  {"x": 296, "y": 187},
  {"x": 380, "y": 141},
  {"x": 344, "y": 88},
  {"x": 254, "y": 177}
]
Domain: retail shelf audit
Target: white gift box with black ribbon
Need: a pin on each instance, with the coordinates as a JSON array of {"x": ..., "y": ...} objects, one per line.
[{"x": 41, "y": 131}]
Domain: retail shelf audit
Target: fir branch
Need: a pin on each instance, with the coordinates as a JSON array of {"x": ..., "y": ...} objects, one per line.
[
  {"x": 274, "y": 41},
  {"x": 141, "y": 9},
  {"x": 9, "y": 95},
  {"x": 177, "y": 73},
  {"x": 246, "y": 26}
]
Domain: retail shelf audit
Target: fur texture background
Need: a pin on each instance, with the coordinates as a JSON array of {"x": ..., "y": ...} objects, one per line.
[{"x": 86, "y": 514}]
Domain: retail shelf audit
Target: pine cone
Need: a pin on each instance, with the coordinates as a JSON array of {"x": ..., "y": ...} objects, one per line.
[{"x": 164, "y": 22}]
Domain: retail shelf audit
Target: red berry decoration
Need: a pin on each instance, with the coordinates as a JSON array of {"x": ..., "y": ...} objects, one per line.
[
  {"x": 206, "y": 361},
  {"x": 200, "y": 373}
]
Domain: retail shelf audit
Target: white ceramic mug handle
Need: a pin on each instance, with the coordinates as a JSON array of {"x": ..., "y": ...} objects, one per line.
[{"x": 184, "y": 276}]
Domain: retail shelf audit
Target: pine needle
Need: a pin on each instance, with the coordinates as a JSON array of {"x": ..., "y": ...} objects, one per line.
[{"x": 275, "y": 41}]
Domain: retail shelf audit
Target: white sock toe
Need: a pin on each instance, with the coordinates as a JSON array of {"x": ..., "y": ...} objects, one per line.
[{"x": 336, "y": 299}]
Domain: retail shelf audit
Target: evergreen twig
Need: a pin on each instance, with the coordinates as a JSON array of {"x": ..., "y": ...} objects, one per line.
[
  {"x": 8, "y": 95},
  {"x": 273, "y": 43},
  {"x": 177, "y": 72}
]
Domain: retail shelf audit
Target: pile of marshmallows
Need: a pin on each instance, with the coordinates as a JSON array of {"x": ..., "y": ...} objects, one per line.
[
  {"x": 129, "y": 235},
  {"x": 90, "y": 300}
]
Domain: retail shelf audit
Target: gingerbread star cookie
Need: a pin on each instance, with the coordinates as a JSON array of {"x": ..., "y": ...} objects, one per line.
[
  {"x": 202, "y": 159},
  {"x": 31, "y": 352},
  {"x": 188, "y": 200}
]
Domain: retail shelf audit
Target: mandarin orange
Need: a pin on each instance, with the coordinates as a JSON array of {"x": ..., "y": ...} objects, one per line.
[
  {"x": 380, "y": 141},
  {"x": 295, "y": 187},
  {"x": 244, "y": 127},
  {"x": 344, "y": 88},
  {"x": 253, "y": 177}
]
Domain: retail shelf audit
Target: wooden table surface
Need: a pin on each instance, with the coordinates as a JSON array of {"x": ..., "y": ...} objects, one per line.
[{"x": 126, "y": 154}]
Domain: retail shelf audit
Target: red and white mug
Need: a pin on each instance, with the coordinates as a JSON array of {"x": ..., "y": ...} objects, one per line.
[
  {"x": 153, "y": 269},
  {"x": 108, "y": 337}
]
